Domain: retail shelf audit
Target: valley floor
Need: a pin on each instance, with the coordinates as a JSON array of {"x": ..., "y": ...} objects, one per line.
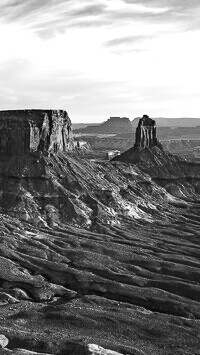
[{"x": 135, "y": 291}]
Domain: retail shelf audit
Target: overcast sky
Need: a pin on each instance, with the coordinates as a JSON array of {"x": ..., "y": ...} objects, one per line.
[{"x": 101, "y": 58}]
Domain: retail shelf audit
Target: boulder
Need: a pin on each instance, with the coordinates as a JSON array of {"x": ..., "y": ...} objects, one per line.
[{"x": 3, "y": 341}]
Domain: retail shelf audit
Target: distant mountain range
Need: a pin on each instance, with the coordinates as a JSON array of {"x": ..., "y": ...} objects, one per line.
[
  {"x": 118, "y": 125},
  {"x": 76, "y": 126}
]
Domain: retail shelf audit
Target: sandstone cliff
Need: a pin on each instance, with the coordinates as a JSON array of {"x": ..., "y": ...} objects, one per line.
[
  {"x": 146, "y": 133},
  {"x": 28, "y": 131}
]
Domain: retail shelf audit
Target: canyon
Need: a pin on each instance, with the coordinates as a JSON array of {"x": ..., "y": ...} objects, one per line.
[
  {"x": 96, "y": 257},
  {"x": 178, "y": 136}
]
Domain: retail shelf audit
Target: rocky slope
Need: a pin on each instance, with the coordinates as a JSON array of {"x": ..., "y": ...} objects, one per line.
[{"x": 99, "y": 258}]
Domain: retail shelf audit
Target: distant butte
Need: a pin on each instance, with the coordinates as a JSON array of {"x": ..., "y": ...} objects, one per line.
[{"x": 114, "y": 125}]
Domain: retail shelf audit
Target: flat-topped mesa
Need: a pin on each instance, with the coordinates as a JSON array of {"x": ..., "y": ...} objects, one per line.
[
  {"x": 146, "y": 133},
  {"x": 29, "y": 131}
]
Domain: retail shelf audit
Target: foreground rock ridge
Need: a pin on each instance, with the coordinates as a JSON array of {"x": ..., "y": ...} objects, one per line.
[{"x": 96, "y": 257}]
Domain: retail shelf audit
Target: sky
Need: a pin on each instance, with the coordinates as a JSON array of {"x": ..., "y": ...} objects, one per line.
[{"x": 101, "y": 58}]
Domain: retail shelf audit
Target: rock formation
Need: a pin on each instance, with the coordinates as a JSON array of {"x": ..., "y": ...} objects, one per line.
[
  {"x": 112, "y": 247},
  {"x": 146, "y": 133},
  {"x": 114, "y": 125},
  {"x": 117, "y": 125},
  {"x": 180, "y": 177},
  {"x": 28, "y": 131},
  {"x": 145, "y": 142}
]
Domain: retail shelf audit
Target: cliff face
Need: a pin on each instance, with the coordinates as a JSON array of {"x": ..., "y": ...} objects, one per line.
[
  {"x": 28, "y": 131},
  {"x": 52, "y": 187},
  {"x": 27, "y": 137},
  {"x": 146, "y": 133}
]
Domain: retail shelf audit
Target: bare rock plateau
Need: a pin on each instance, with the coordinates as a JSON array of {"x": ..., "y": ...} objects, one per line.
[{"x": 95, "y": 258}]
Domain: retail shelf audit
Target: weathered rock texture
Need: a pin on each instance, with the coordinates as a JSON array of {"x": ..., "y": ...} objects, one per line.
[
  {"x": 146, "y": 133},
  {"x": 28, "y": 131},
  {"x": 112, "y": 247}
]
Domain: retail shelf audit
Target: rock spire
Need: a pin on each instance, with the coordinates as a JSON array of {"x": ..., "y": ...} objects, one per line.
[{"x": 145, "y": 135}]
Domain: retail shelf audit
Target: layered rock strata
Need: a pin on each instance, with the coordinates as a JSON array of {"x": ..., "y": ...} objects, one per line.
[
  {"x": 178, "y": 176},
  {"x": 105, "y": 248},
  {"x": 28, "y": 131},
  {"x": 146, "y": 133}
]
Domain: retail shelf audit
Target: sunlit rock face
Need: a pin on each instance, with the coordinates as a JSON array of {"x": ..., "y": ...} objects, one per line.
[
  {"x": 146, "y": 133},
  {"x": 28, "y": 131},
  {"x": 27, "y": 139}
]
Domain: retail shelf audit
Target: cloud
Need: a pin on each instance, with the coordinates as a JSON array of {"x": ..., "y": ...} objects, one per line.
[
  {"x": 13, "y": 10},
  {"x": 90, "y": 10},
  {"x": 88, "y": 56},
  {"x": 174, "y": 5},
  {"x": 128, "y": 40},
  {"x": 52, "y": 16},
  {"x": 20, "y": 89},
  {"x": 182, "y": 12}
]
